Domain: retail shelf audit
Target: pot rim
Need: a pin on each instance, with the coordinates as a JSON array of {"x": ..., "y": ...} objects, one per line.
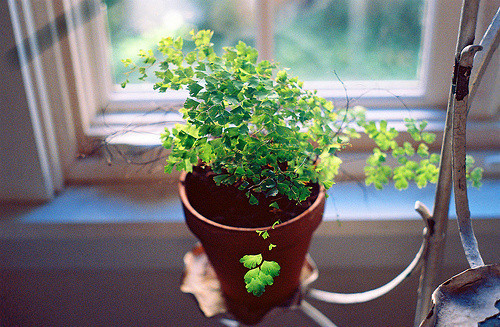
[{"x": 187, "y": 204}]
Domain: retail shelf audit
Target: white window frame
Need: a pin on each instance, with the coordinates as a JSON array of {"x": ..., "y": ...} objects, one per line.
[
  {"x": 80, "y": 55},
  {"x": 380, "y": 94},
  {"x": 430, "y": 90}
]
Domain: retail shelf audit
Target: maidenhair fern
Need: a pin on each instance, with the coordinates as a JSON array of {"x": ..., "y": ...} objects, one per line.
[{"x": 257, "y": 127}]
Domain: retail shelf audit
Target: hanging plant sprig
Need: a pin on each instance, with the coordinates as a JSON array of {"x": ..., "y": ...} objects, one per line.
[{"x": 262, "y": 272}]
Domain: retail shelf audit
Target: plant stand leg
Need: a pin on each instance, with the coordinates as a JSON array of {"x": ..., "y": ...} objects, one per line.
[
  {"x": 230, "y": 322},
  {"x": 316, "y": 315},
  {"x": 434, "y": 255},
  {"x": 467, "y": 236}
]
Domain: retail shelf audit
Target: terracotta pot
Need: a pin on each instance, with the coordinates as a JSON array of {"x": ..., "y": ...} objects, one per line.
[{"x": 225, "y": 245}]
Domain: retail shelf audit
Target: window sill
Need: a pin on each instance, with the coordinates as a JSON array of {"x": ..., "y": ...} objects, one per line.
[{"x": 158, "y": 202}]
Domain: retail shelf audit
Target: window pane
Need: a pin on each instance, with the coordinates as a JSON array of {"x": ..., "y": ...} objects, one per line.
[
  {"x": 139, "y": 24},
  {"x": 358, "y": 39}
]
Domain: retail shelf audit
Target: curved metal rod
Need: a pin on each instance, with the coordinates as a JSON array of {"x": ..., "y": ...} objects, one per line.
[
  {"x": 469, "y": 241},
  {"x": 315, "y": 315},
  {"x": 351, "y": 298},
  {"x": 490, "y": 43}
]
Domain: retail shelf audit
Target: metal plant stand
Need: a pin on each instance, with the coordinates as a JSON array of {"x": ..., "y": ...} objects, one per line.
[
  {"x": 452, "y": 167},
  {"x": 427, "y": 261}
]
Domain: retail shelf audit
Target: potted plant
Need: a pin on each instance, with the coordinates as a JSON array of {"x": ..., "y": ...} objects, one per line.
[{"x": 259, "y": 152}]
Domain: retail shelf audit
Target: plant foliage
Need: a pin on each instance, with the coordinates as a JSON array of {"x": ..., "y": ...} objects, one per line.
[
  {"x": 249, "y": 122},
  {"x": 258, "y": 128}
]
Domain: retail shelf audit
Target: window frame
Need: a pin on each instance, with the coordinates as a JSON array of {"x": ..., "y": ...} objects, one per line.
[
  {"x": 430, "y": 90},
  {"x": 436, "y": 47}
]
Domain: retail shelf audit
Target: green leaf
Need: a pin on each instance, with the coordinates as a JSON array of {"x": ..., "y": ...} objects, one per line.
[
  {"x": 253, "y": 200},
  {"x": 265, "y": 279},
  {"x": 469, "y": 161},
  {"x": 255, "y": 286},
  {"x": 251, "y": 261},
  {"x": 220, "y": 178},
  {"x": 284, "y": 188},
  {"x": 281, "y": 76},
  {"x": 206, "y": 152},
  {"x": 178, "y": 43},
  {"x": 274, "y": 205},
  {"x": 258, "y": 277},
  {"x": 409, "y": 150},
  {"x": 169, "y": 167},
  {"x": 272, "y": 192},
  {"x": 434, "y": 158},
  {"x": 191, "y": 103},
  {"x": 194, "y": 89},
  {"x": 190, "y": 57},
  {"x": 401, "y": 184},
  {"x": 263, "y": 233},
  {"x": 127, "y": 62},
  {"x": 243, "y": 185},
  {"x": 421, "y": 181},
  {"x": 271, "y": 268},
  {"x": 240, "y": 171},
  {"x": 284, "y": 131},
  {"x": 251, "y": 274},
  {"x": 475, "y": 176},
  {"x": 383, "y": 126},
  {"x": 428, "y": 137},
  {"x": 423, "y": 150}
]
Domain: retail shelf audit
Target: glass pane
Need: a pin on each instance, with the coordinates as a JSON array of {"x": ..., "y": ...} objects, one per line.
[
  {"x": 139, "y": 24},
  {"x": 358, "y": 39}
]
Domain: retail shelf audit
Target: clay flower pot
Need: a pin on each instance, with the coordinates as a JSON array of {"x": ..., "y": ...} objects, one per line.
[{"x": 225, "y": 245}]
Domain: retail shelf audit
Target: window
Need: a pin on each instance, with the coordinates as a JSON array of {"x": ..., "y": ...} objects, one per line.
[
  {"x": 386, "y": 53},
  {"x": 366, "y": 44},
  {"x": 86, "y": 103},
  {"x": 360, "y": 40}
]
